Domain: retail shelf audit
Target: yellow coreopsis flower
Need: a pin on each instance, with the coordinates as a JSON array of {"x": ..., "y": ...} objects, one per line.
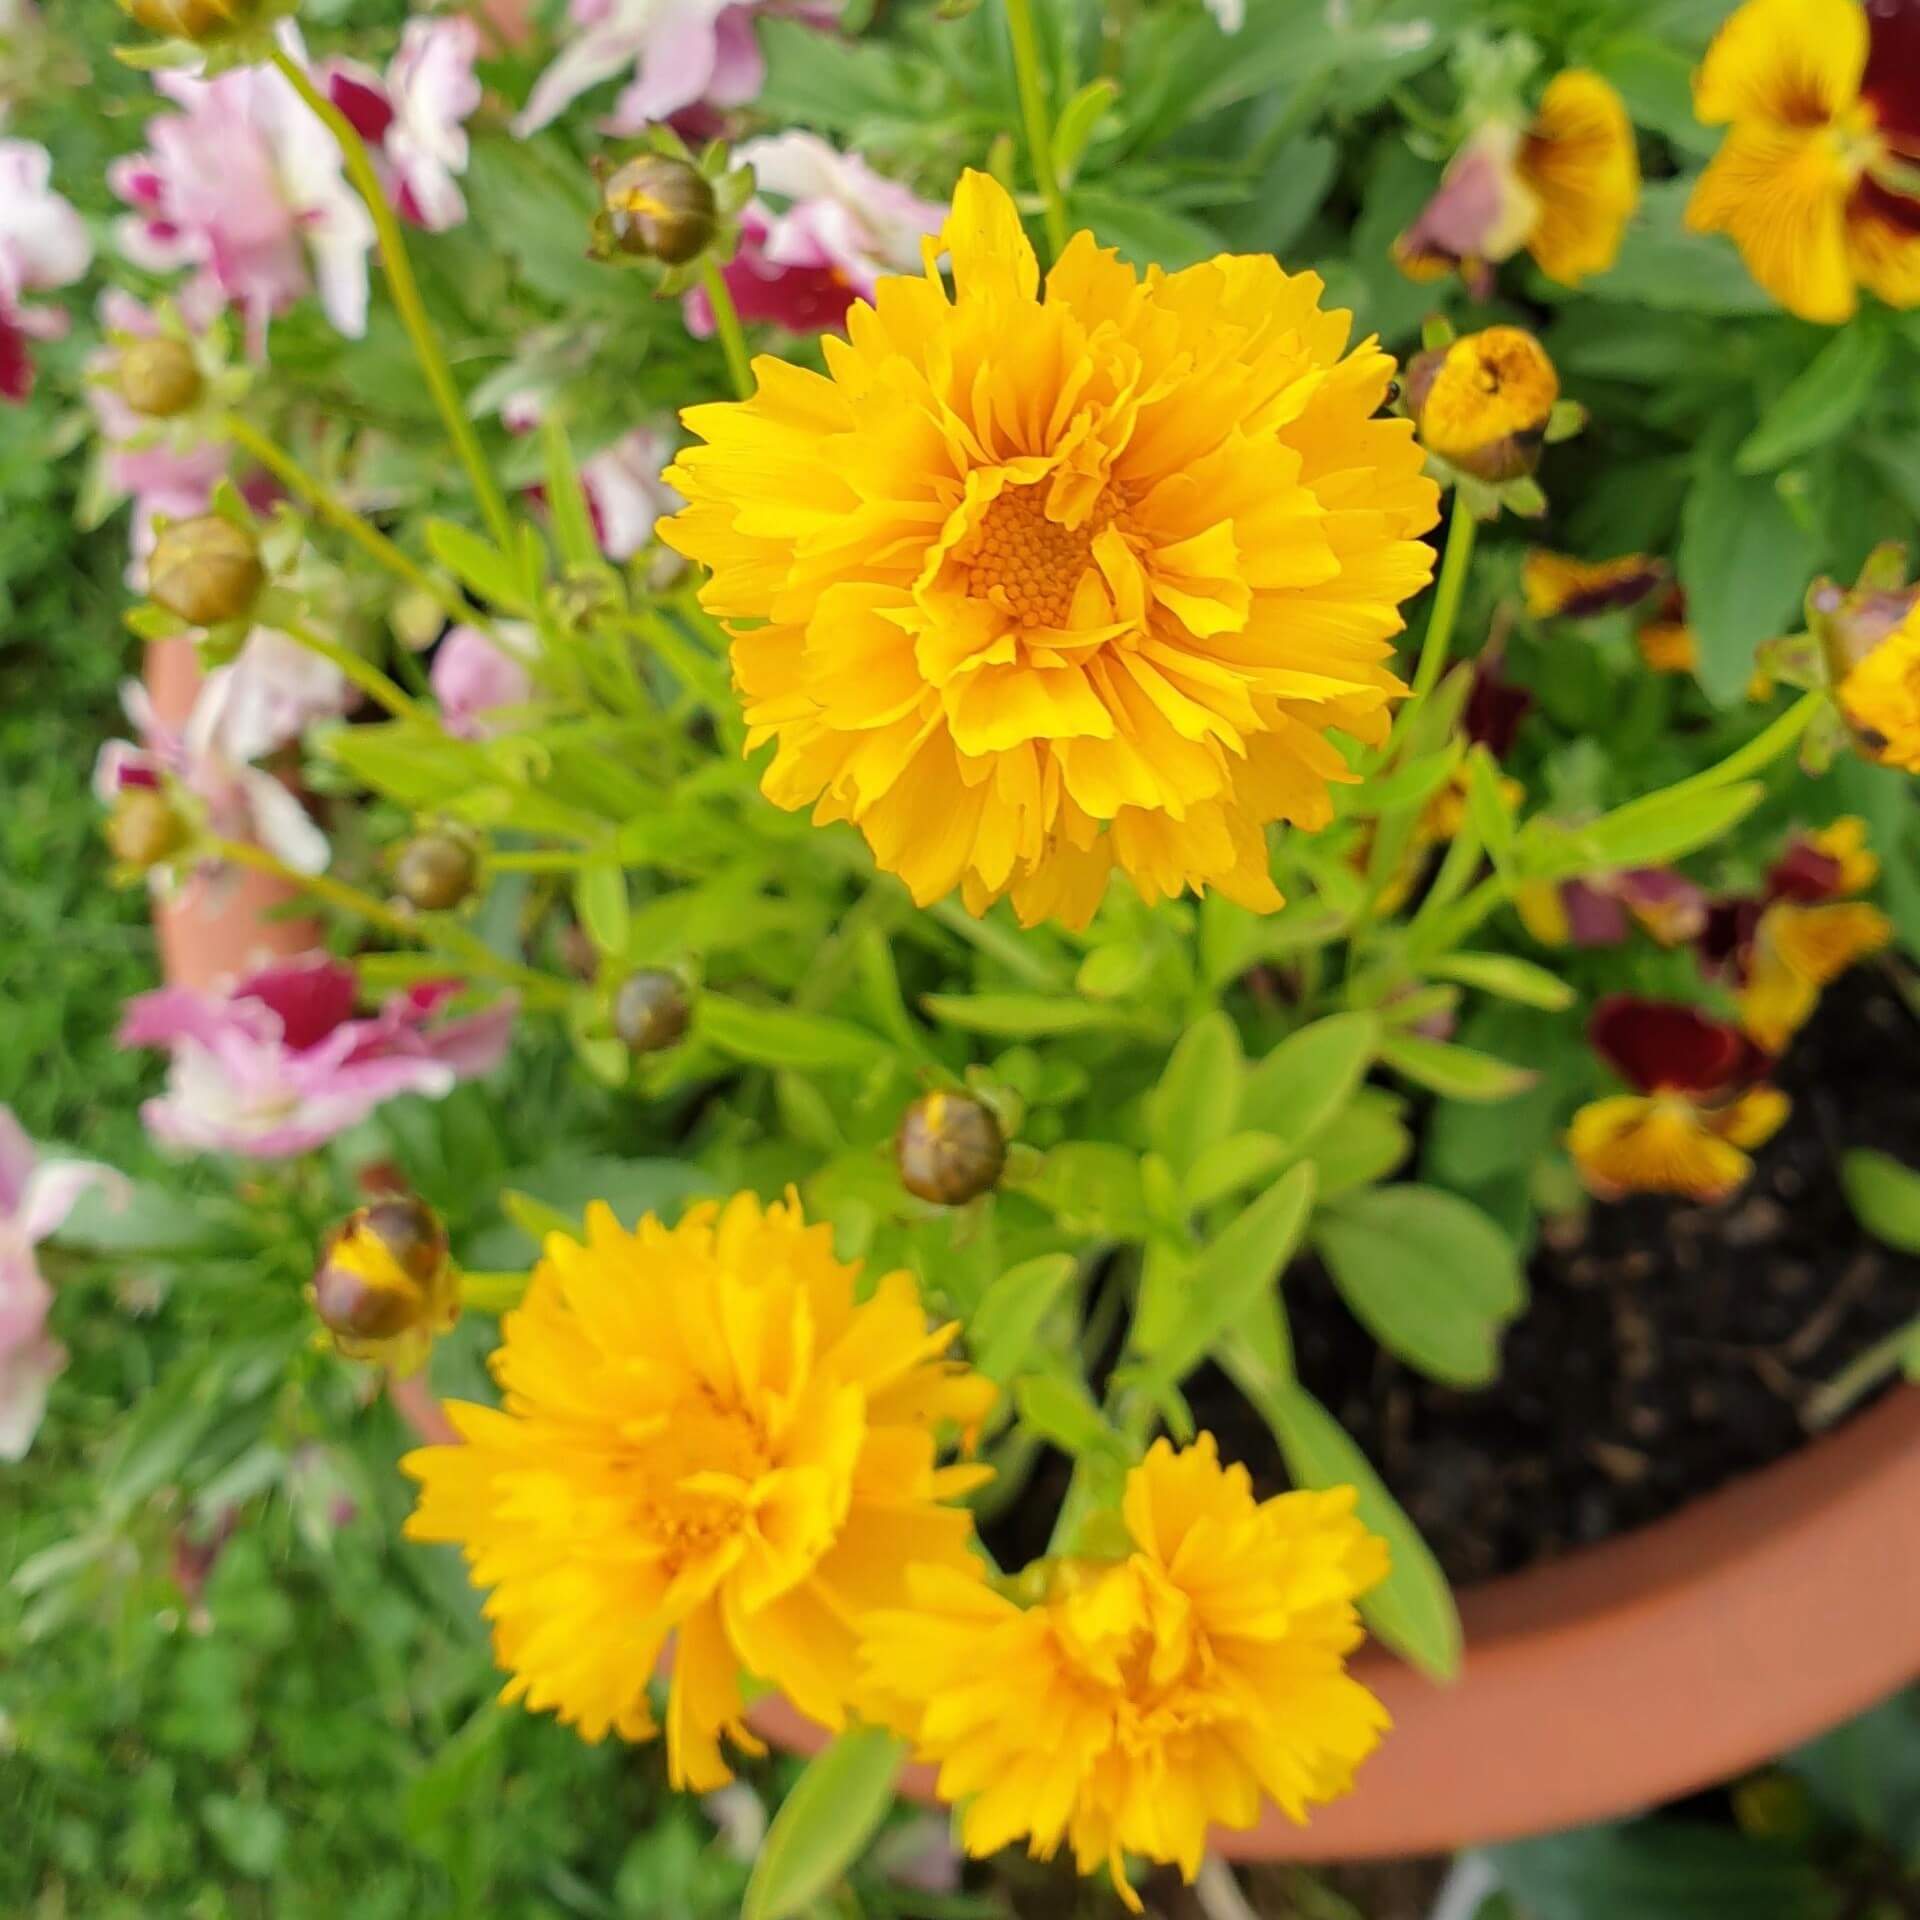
[
  {"x": 1141, "y": 1700},
  {"x": 1881, "y": 697},
  {"x": 1036, "y": 582},
  {"x": 1821, "y": 101},
  {"x": 702, "y": 1436}
]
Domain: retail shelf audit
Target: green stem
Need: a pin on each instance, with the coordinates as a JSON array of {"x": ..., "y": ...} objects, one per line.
[
  {"x": 1031, "y": 81},
  {"x": 1438, "y": 641},
  {"x": 335, "y": 511},
  {"x": 1860, "y": 1375},
  {"x": 406, "y": 299},
  {"x": 362, "y": 672},
  {"x": 538, "y": 988},
  {"x": 492, "y": 1292},
  {"x": 726, "y": 323}
]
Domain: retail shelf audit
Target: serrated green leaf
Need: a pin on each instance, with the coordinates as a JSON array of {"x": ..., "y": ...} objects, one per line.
[{"x": 824, "y": 1825}]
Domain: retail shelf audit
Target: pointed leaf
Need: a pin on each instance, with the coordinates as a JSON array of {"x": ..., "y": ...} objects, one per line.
[{"x": 834, "y": 1810}]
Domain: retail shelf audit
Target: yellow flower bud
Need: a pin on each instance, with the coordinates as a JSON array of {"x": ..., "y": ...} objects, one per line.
[
  {"x": 385, "y": 1285},
  {"x": 949, "y": 1148},
  {"x": 158, "y": 377},
  {"x": 206, "y": 571},
  {"x": 1483, "y": 403},
  {"x": 144, "y": 829},
  {"x": 651, "y": 1011},
  {"x": 200, "y": 21},
  {"x": 658, "y": 208},
  {"x": 435, "y": 872}
]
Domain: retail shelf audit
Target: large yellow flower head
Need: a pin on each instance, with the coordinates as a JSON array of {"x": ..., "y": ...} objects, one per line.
[
  {"x": 702, "y": 1435},
  {"x": 1821, "y": 101},
  {"x": 1033, "y": 584},
  {"x": 1144, "y": 1699}
]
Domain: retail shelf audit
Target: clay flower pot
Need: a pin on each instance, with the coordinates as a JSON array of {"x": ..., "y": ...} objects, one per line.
[
  {"x": 216, "y": 927},
  {"x": 1622, "y": 1675}
]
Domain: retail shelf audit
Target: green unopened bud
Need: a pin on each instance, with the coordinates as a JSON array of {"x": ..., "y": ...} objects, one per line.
[
  {"x": 206, "y": 571},
  {"x": 651, "y": 1011},
  {"x": 657, "y": 208},
  {"x": 158, "y": 378},
  {"x": 435, "y": 871},
  {"x": 949, "y": 1148},
  {"x": 144, "y": 829},
  {"x": 385, "y": 1285},
  {"x": 201, "y": 21}
]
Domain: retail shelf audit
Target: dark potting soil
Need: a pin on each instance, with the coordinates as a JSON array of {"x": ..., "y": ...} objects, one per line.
[{"x": 1666, "y": 1348}]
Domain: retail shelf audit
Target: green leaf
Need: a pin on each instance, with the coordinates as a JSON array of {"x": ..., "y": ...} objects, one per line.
[
  {"x": 1306, "y": 1080},
  {"x": 1094, "y": 1187},
  {"x": 1660, "y": 827},
  {"x": 1885, "y": 1197},
  {"x": 1744, "y": 562},
  {"x": 600, "y": 895},
  {"x": 1455, "y": 1073},
  {"x": 572, "y": 520},
  {"x": 1062, "y": 1413},
  {"x": 1193, "y": 1106},
  {"x": 493, "y": 575},
  {"x": 1827, "y": 398},
  {"x": 1506, "y": 976},
  {"x": 1867, "y": 1773},
  {"x": 1489, "y": 809},
  {"x": 1364, "y": 1142},
  {"x": 1076, "y": 124},
  {"x": 1412, "y": 1609},
  {"x": 1003, "y": 1328},
  {"x": 780, "y": 1037},
  {"x": 1663, "y": 265},
  {"x": 1428, "y": 1274},
  {"x": 834, "y": 1809},
  {"x": 1232, "y": 1164},
  {"x": 1021, "y": 1016},
  {"x": 1661, "y": 1870},
  {"x": 1233, "y": 1271},
  {"x": 140, "y": 1217}
]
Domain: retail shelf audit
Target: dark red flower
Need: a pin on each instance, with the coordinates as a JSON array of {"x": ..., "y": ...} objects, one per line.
[
  {"x": 1665, "y": 1046},
  {"x": 1495, "y": 706}
]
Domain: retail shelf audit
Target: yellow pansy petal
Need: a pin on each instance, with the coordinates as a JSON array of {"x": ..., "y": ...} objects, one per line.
[
  {"x": 1633, "y": 1143},
  {"x": 1794, "y": 62},
  {"x": 1582, "y": 166}
]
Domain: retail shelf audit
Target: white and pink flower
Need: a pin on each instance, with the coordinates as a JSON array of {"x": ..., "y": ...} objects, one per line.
[
  {"x": 414, "y": 119},
  {"x": 479, "y": 678},
  {"x": 678, "y": 54},
  {"x": 837, "y": 228},
  {"x": 239, "y": 801},
  {"x": 282, "y": 1062},
  {"x": 246, "y": 187},
  {"x": 43, "y": 245},
  {"x": 36, "y": 1196}
]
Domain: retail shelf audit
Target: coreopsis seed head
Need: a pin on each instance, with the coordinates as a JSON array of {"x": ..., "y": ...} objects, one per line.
[
  {"x": 949, "y": 1148},
  {"x": 203, "y": 22},
  {"x": 1122, "y": 1705},
  {"x": 206, "y": 571},
  {"x": 145, "y": 829},
  {"x": 1483, "y": 403},
  {"x": 735, "y": 1446},
  {"x": 386, "y": 1285},
  {"x": 158, "y": 377},
  {"x": 657, "y": 207},
  {"x": 435, "y": 871},
  {"x": 651, "y": 1010}
]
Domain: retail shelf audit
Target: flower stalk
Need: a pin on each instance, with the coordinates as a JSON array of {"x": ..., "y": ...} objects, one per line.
[
  {"x": 1031, "y": 82},
  {"x": 726, "y": 323},
  {"x": 406, "y": 298}
]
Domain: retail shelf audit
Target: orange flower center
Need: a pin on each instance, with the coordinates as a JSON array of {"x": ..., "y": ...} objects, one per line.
[
  {"x": 1028, "y": 564},
  {"x": 705, "y": 1441}
]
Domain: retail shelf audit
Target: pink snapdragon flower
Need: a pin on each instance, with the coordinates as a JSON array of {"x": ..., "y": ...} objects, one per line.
[
  {"x": 245, "y": 186},
  {"x": 843, "y": 228},
  {"x": 240, "y": 802},
  {"x": 680, "y": 53},
  {"x": 477, "y": 677},
  {"x": 43, "y": 245},
  {"x": 415, "y": 118},
  {"x": 281, "y": 1063},
  {"x": 36, "y": 1196}
]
